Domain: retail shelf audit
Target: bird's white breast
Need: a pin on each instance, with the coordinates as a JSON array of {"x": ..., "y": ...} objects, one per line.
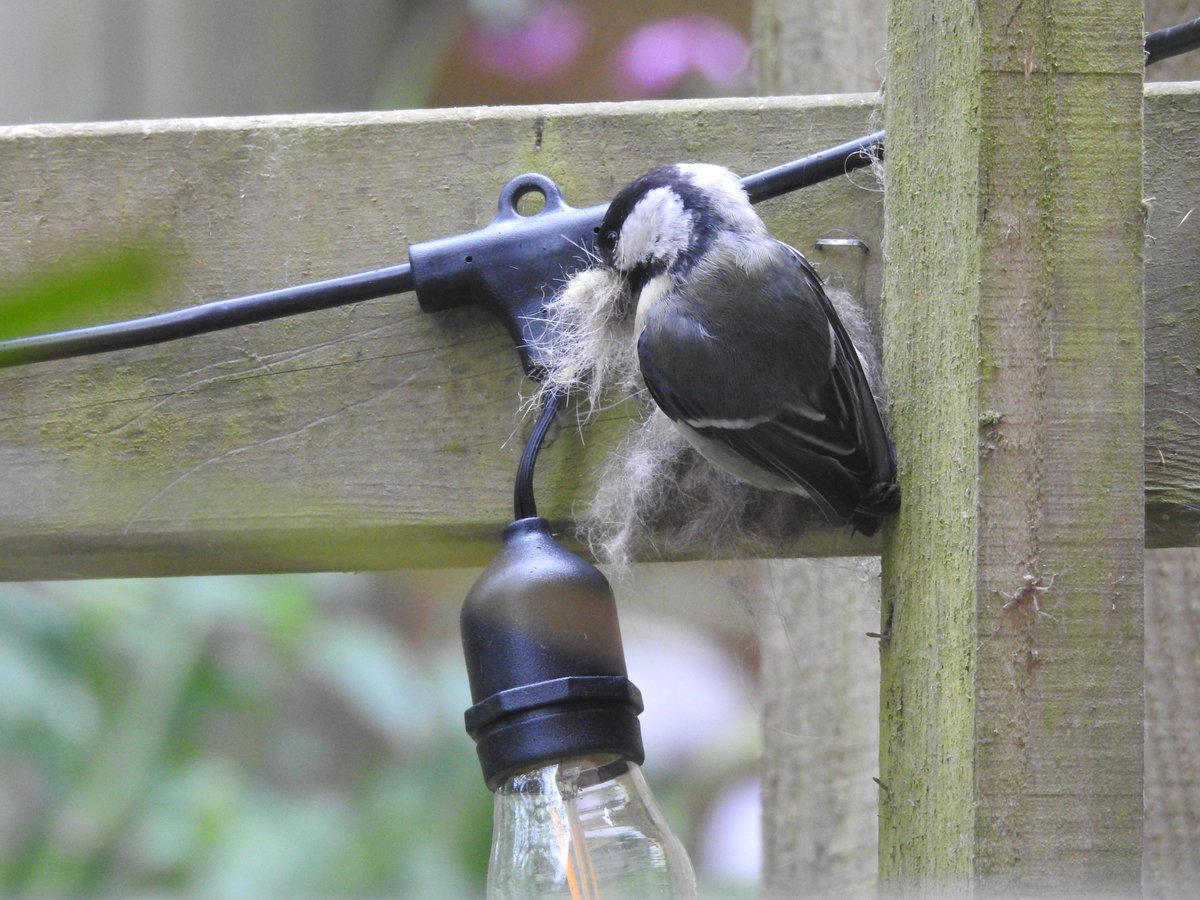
[{"x": 652, "y": 293}]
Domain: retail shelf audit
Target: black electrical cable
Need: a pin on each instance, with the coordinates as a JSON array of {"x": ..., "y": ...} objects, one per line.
[
  {"x": 1172, "y": 41},
  {"x": 821, "y": 166},
  {"x": 214, "y": 316},
  {"x": 524, "y": 505},
  {"x": 221, "y": 314}
]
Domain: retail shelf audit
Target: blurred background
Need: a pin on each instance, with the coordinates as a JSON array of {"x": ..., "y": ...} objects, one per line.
[
  {"x": 302, "y": 735},
  {"x": 85, "y": 60}
]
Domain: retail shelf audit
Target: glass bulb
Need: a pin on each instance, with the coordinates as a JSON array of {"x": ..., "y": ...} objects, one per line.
[{"x": 584, "y": 828}]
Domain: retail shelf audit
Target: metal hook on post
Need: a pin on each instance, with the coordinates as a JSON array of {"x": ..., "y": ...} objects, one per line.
[{"x": 843, "y": 263}]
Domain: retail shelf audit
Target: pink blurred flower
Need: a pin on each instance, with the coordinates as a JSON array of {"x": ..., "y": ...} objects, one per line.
[
  {"x": 656, "y": 57},
  {"x": 539, "y": 47}
]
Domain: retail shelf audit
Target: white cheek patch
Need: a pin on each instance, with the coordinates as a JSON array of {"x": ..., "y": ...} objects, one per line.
[
  {"x": 658, "y": 227},
  {"x": 716, "y": 181}
]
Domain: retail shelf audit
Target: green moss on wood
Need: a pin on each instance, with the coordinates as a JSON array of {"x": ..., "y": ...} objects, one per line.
[
  {"x": 1013, "y": 327},
  {"x": 927, "y": 717}
]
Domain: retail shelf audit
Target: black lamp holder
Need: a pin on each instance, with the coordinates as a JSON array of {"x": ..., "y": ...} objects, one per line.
[{"x": 544, "y": 659}]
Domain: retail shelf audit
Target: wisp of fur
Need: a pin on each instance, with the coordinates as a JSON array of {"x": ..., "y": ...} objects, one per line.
[{"x": 656, "y": 495}]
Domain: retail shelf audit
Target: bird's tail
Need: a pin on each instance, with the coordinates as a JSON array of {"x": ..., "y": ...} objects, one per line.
[{"x": 882, "y": 500}]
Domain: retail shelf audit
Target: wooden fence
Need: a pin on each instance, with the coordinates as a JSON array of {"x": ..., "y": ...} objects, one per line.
[{"x": 1010, "y": 260}]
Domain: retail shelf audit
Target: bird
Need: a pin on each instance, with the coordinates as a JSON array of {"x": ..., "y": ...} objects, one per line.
[{"x": 738, "y": 343}]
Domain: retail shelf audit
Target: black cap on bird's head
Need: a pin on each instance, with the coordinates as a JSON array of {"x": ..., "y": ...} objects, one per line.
[{"x": 667, "y": 219}]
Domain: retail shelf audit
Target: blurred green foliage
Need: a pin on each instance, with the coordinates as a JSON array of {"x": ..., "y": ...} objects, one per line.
[
  {"x": 85, "y": 289},
  {"x": 233, "y": 737}
]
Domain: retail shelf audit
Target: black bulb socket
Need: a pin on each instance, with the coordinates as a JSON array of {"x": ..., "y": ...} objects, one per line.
[{"x": 544, "y": 659}]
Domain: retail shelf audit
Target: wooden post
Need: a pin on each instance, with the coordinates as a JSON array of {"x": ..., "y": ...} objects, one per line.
[
  {"x": 820, "y": 731},
  {"x": 810, "y": 47},
  {"x": 1011, "y": 727},
  {"x": 1171, "y": 865},
  {"x": 820, "y": 670}
]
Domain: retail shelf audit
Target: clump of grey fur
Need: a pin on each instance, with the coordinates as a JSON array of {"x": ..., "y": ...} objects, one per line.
[{"x": 657, "y": 495}]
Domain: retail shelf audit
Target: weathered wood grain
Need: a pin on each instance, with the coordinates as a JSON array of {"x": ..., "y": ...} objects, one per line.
[
  {"x": 819, "y": 48},
  {"x": 820, "y": 728},
  {"x": 377, "y": 436},
  {"x": 1171, "y": 866},
  {"x": 1011, "y": 735},
  {"x": 931, "y": 353},
  {"x": 1172, "y": 190},
  {"x": 373, "y": 436}
]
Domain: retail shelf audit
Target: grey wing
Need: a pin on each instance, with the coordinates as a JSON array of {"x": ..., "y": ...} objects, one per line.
[
  {"x": 794, "y": 403},
  {"x": 877, "y": 475}
]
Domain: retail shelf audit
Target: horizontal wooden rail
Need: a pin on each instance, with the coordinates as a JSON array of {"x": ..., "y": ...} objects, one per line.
[{"x": 376, "y": 436}]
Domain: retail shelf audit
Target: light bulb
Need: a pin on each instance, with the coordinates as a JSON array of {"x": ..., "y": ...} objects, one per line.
[
  {"x": 584, "y": 828},
  {"x": 556, "y": 730}
]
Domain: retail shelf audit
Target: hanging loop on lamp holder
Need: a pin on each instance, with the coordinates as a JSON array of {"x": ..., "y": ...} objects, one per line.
[{"x": 492, "y": 266}]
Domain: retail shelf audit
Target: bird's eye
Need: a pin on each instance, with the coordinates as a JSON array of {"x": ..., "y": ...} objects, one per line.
[{"x": 607, "y": 245}]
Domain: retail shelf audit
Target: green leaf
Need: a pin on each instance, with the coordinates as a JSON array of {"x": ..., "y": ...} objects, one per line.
[{"x": 86, "y": 290}]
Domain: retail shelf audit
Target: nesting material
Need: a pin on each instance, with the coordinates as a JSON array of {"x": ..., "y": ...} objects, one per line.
[{"x": 657, "y": 496}]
